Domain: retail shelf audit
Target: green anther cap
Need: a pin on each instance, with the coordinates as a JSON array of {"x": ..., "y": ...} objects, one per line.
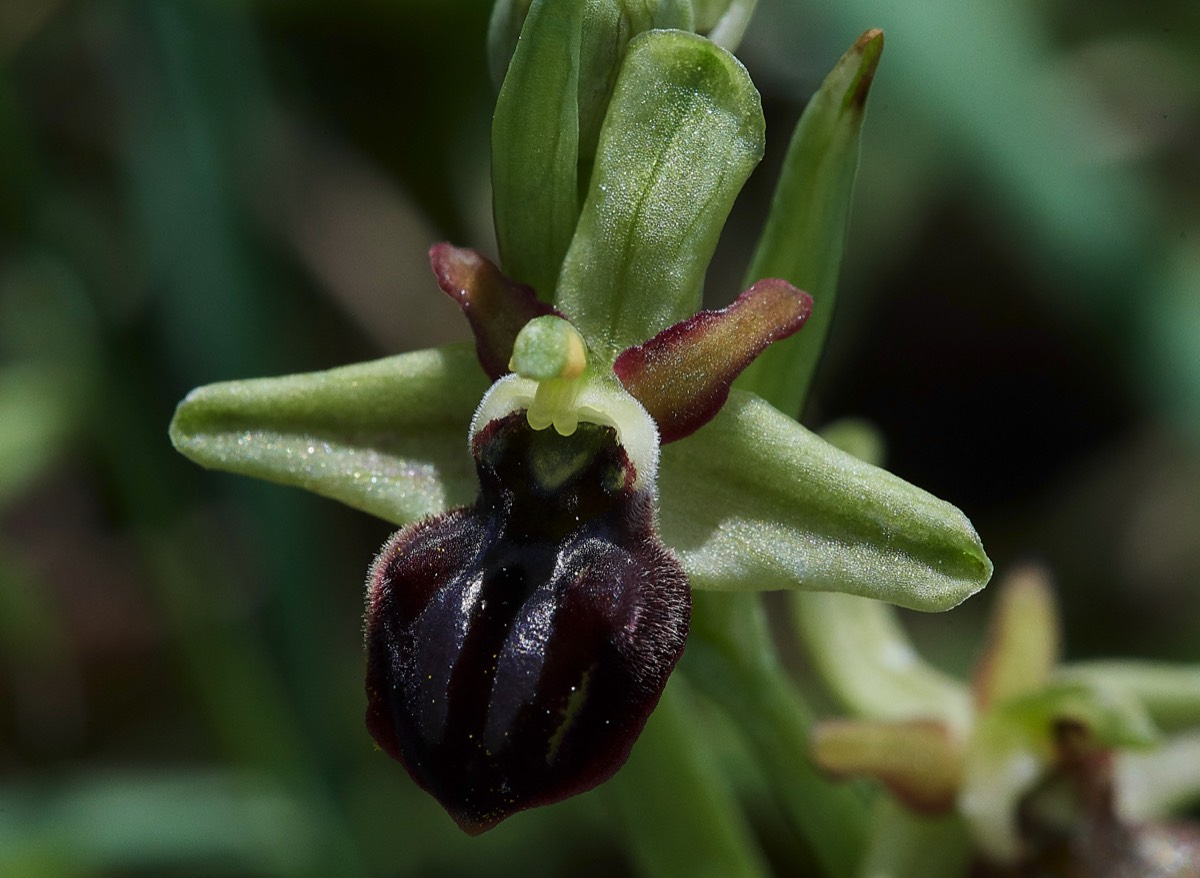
[{"x": 548, "y": 347}]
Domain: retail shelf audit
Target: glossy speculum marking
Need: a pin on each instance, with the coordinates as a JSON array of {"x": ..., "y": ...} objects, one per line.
[{"x": 517, "y": 646}]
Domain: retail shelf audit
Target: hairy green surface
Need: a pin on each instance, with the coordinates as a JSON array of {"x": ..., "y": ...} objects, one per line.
[
  {"x": 388, "y": 436},
  {"x": 683, "y": 132},
  {"x": 754, "y": 501}
]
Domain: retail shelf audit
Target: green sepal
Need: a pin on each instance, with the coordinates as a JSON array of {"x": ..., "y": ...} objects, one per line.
[
  {"x": 805, "y": 233},
  {"x": 608, "y": 27},
  {"x": 859, "y": 647},
  {"x": 864, "y": 656},
  {"x": 535, "y": 146},
  {"x": 1170, "y": 693},
  {"x": 684, "y": 130},
  {"x": 756, "y": 502},
  {"x": 387, "y": 437}
]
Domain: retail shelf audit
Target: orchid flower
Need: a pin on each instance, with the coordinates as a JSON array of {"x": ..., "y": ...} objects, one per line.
[
  {"x": 1041, "y": 762},
  {"x": 564, "y": 486}
]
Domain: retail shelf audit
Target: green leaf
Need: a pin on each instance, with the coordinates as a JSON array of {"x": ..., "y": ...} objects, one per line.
[
  {"x": 157, "y": 823},
  {"x": 805, "y": 232},
  {"x": 683, "y": 131},
  {"x": 535, "y": 146},
  {"x": 755, "y": 502},
  {"x": 388, "y": 437}
]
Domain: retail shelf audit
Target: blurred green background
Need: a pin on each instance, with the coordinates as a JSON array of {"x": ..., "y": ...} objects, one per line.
[{"x": 194, "y": 191}]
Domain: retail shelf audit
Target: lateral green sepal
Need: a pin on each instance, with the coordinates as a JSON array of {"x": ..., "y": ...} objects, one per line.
[
  {"x": 1169, "y": 692},
  {"x": 387, "y": 437},
  {"x": 868, "y": 662},
  {"x": 754, "y": 501}
]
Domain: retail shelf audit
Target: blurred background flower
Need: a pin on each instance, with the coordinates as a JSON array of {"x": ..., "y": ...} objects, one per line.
[{"x": 195, "y": 191}]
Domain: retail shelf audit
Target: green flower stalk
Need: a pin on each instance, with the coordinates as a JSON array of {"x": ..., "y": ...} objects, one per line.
[{"x": 562, "y": 488}]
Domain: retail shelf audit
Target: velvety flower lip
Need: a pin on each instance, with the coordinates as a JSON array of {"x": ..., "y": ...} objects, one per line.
[{"x": 517, "y": 646}]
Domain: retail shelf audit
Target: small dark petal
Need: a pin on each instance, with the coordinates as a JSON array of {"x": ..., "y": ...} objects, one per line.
[
  {"x": 495, "y": 306},
  {"x": 516, "y": 647},
  {"x": 682, "y": 375}
]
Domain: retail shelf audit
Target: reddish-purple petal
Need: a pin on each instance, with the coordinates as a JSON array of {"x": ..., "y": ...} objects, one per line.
[
  {"x": 682, "y": 375},
  {"x": 495, "y": 306}
]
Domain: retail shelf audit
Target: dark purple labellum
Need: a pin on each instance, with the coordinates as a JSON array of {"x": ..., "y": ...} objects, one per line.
[{"x": 516, "y": 647}]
